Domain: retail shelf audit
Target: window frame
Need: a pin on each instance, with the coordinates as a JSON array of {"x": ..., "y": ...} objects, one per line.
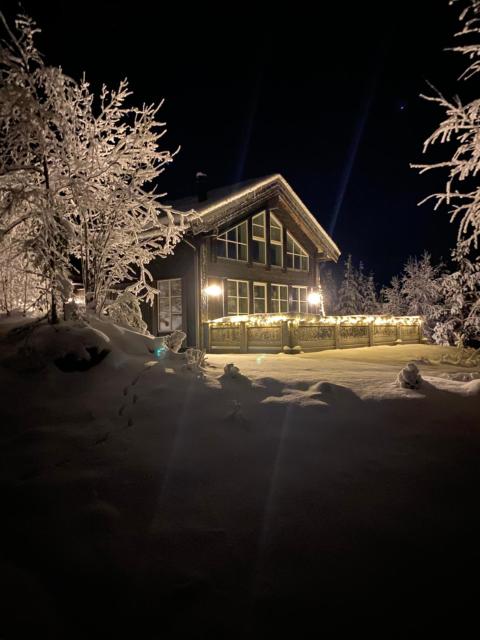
[
  {"x": 299, "y": 302},
  {"x": 278, "y": 243},
  {"x": 236, "y": 242},
  {"x": 301, "y": 254},
  {"x": 279, "y": 299},
  {"x": 237, "y": 297},
  {"x": 169, "y": 298},
  {"x": 265, "y": 299}
]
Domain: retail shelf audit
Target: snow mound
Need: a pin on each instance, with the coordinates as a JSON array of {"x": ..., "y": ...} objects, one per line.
[
  {"x": 409, "y": 377},
  {"x": 472, "y": 388},
  {"x": 72, "y": 345},
  {"x": 125, "y": 340}
]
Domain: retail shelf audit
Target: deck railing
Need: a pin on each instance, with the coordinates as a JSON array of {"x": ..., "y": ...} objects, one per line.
[{"x": 269, "y": 333}]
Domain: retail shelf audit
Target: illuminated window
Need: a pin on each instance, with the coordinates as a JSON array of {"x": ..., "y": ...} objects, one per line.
[
  {"x": 297, "y": 257},
  {"x": 279, "y": 298},
  {"x": 276, "y": 242},
  {"x": 233, "y": 243},
  {"x": 299, "y": 300},
  {"x": 237, "y": 297},
  {"x": 258, "y": 237},
  {"x": 259, "y": 297},
  {"x": 169, "y": 305}
]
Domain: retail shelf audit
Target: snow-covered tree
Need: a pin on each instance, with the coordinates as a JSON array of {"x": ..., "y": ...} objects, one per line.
[
  {"x": 393, "y": 300},
  {"x": 461, "y": 129},
  {"x": 459, "y": 318},
  {"x": 349, "y": 298},
  {"x": 77, "y": 177},
  {"x": 421, "y": 289},
  {"x": 21, "y": 289},
  {"x": 367, "y": 290}
]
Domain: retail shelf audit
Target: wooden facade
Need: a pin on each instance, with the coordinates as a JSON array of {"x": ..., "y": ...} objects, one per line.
[{"x": 223, "y": 250}]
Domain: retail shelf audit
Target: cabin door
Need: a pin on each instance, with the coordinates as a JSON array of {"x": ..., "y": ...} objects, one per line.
[{"x": 170, "y": 305}]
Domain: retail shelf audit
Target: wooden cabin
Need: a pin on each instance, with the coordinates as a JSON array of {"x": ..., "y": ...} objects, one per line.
[{"x": 253, "y": 248}]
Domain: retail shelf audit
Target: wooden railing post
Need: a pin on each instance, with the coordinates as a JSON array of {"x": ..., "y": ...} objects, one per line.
[
  {"x": 286, "y": 334},
  {"x": 371, "y": 336},
  {"x": 336, "y": 335},
  {"x": 243, "y": 338}
]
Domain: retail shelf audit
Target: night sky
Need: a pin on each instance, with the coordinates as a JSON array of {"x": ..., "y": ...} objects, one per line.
[{"x": 328, "y": 98}]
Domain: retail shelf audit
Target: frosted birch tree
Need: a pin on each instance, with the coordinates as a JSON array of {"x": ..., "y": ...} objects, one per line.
[
  {"x": 77, "y": 177},
  {"x": 461, "y": 130}
]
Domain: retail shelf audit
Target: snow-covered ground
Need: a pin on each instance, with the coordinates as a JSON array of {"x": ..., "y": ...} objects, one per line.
[{"x": 141, "y": 499}]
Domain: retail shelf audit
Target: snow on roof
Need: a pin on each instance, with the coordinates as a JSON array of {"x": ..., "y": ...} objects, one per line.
[{"x": 220, "y": 201}]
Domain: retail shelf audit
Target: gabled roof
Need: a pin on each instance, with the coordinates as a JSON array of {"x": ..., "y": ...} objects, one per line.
[{"x": 226, "y": 204}]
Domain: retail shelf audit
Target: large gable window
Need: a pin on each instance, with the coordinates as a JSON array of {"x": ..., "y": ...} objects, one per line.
[
  {"x": 233, "y": 243},
  {"x": 279, "y": 298},
  {"x": 297, "y": 257},
  {"x": 258, "y": 238},
  {"x": 276, "y": 242},
  {"x": 237, "y": 297}
]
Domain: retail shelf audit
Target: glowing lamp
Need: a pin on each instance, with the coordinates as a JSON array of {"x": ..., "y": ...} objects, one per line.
[
  {"x": 313, "y": 298},
  {"x": 213, "y": 291}
]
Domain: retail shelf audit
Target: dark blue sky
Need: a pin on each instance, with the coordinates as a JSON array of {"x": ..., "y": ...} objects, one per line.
[{"x": 296, "y": 91}]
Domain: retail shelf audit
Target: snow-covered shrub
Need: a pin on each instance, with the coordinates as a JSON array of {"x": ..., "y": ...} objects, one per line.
[
  {"x": 174, "y": 340},
  {"x": 409, "y": 377},
  {"x": 195, "y": 359},
  {"x": 230, "y": 370},
  {"x": 125, "y": 311}
]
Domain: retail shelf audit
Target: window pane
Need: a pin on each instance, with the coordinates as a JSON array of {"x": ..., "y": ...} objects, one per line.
[
  {"x": 243, "y": 289},
  {"x": 232, "y": 235},
  {"x": 275, "y": 235},
  {"x": 303, "y": 294},
  {"x": 258, "y": 291},
  {"x": 303, "y": 307},
  {"x": 294, "y": 294},
  {"x": 176, "y": 322},
  {"x": 221, "y": 249},
  {"x": 164, "y": 288},
  {"x": 176, "y": 305},
  {"x": 243, "y": 305},
  {"x": 289, "y": 243},
  {"x": 258, "y": 251},
  {"x": 242, "y": 251},
  {"x": 231, "y": 288},
  {"x": 276, "y": 255},
  {"x": 242, "y": 232},
  {"x": 259, "y": 306},
  {"x": 232, "y": 251},
  {"x": 232, "y": 305},
  {"x": 304, "y": 263},
  {"x": 163, "y": 323},
  {"x": 274, "y": 292},
  {"x": 176, "y": 287}
]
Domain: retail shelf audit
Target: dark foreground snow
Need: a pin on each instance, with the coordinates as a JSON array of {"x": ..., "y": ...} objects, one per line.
[{"x": 308, "y": 497}]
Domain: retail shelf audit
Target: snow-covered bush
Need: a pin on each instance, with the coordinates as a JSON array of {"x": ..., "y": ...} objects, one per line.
[
  {"x": 409, "y": 377},
  {"x": 173, "y": 341},
  {"x": 125, "y": 311},
  {"x": 195, "y": 359}
]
